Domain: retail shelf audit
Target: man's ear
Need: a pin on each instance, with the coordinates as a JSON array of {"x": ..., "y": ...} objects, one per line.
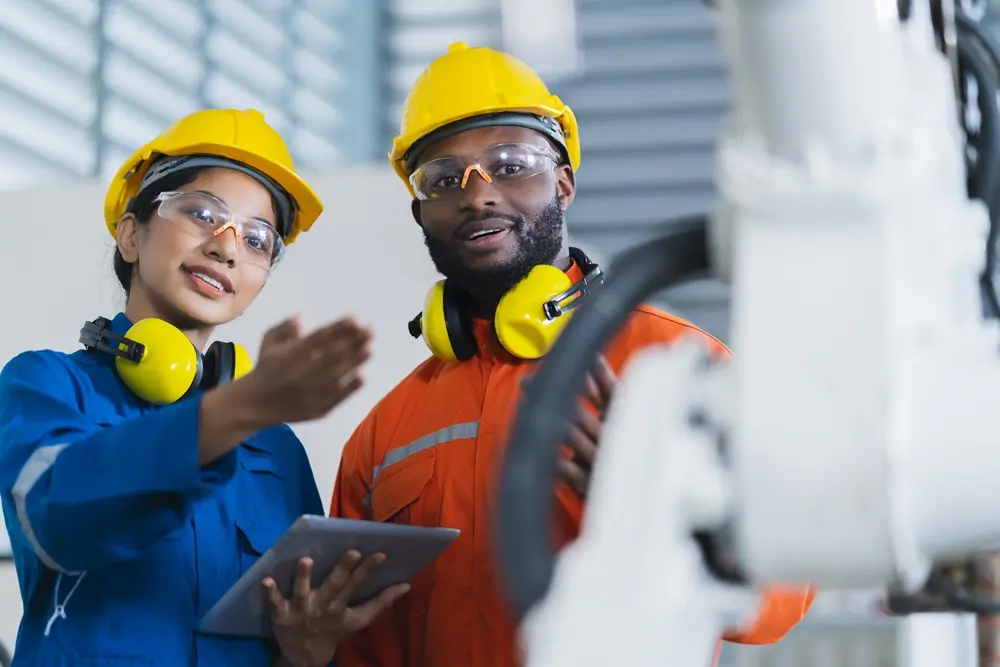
[
  {"x": 565, "y": 186},
  {"x": 127, "y": 236},
  {"x": 415, "y": 210}
]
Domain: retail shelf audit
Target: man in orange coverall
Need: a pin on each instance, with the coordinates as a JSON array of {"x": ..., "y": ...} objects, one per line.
[{"x": 489, "y": 156}]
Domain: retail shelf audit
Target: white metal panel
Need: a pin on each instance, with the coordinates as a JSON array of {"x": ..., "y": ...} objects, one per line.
[{"x": 85, "y": 82}]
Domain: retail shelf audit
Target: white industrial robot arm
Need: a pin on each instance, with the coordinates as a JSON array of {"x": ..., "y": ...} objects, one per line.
[
  {"x": 865, "y": 365},
  {"x": 851, "y": 442}
]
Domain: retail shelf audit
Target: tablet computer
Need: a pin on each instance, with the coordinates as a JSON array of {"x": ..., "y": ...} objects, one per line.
[{"x": 243, "y": 612}]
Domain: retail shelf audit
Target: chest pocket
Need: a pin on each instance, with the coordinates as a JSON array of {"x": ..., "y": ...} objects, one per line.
[
  {"x": 262, "y": 513},
  {"x": 264, "y": 484},
  {"x": 255, "y": 538},
  {"x": 399, "y": 489},
  {"x": 259, "y": 462}
]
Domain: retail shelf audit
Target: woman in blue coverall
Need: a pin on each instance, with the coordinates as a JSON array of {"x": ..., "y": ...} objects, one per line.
[{"x": 134, "y": 502}]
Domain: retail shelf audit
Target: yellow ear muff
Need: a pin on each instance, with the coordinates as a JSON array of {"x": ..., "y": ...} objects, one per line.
[
  {"x": 243, "y": 364},
  {"x": 170, "y": 364},
  {"x": 434, "y": 324},
  {"x": 520, "y": 322}
]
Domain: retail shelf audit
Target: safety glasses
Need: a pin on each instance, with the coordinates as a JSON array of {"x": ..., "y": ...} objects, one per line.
[
  {"x": 204, "y": 216},
  {"x": 501, "y": 165}
]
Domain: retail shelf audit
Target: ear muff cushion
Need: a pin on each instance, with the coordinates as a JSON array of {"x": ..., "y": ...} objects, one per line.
[
  {"x": 220, "y": 363},
  {"x": 169, "y": 367},
  {"x": 225, "y": 362},
  {"x": 520, "y": 322},
  {"x": 444, "y": 326},
  {"x": 434, "y": 325},
  {"x": 463, "y": 341}
]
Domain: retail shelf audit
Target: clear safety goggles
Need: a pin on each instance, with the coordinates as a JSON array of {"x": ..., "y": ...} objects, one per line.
[
  {"x": 500, "y": 165},
  {"x": 205, "y": 217}
]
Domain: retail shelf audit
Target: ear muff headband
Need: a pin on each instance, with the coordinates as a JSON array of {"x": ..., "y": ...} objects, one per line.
[{"x": 159, "y": 364}]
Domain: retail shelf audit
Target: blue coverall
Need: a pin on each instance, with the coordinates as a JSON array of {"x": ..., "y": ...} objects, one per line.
[{"x": 121, "y": 540}]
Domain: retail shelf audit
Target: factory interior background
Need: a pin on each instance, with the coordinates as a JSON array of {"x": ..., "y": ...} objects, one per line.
[{"x": 83, "y": 83}]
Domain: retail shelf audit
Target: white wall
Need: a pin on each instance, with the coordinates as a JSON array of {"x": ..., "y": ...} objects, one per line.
[{"x": 365, "y": 257}]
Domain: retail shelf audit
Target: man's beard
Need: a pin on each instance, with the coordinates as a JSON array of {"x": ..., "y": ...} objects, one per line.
[{"x": 539, "y": 241}]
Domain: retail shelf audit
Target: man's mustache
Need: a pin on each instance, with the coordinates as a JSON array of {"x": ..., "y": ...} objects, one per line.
[{"x": 481, "y": 216}]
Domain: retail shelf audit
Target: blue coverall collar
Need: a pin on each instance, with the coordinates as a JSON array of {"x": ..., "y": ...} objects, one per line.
[{"x": 121, "y": 324}]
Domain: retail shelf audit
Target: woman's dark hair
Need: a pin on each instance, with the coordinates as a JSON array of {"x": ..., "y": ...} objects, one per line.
[
  {"x": 145, "y": 206},
  {"x": 142, "y": 208}
]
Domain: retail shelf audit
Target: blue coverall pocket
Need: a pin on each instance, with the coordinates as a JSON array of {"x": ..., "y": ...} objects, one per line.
[
  {"x": 255, "y": 538},
  {"x": 258, "y": 462}
]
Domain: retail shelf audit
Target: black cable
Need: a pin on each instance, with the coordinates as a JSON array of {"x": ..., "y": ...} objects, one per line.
[
  {"x": 550, "y": 401},
  {"x": 978, "y": 58},
  {"x": 961, "y": 599},
  {"x": 940, "y": 594}
]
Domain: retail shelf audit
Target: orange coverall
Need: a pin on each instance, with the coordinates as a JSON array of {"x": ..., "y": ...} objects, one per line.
[{"x": 429, "y": 454}]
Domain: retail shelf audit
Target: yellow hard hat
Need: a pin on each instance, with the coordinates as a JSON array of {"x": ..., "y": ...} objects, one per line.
[
  {"x": 479, "y": 83},
  {"x": 242, "y": 136}
]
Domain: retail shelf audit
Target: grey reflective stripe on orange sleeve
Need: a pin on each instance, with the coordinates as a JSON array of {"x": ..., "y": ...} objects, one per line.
[
  {"x": 439, "y": 437},
  {"x": 39, "y": 463}
]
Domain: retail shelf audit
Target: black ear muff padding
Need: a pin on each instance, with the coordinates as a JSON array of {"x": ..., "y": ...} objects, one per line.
[
  {"x": 221, "y": 358},
  {"x": 210, "y": 368},
  {"x": 463, "y": 341},
  {"x": 219, "y": 364},
  {"x": 226, "y": 363}
]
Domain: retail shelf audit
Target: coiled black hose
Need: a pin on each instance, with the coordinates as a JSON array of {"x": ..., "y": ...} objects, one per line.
[{"x": 550, "y": 401}]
